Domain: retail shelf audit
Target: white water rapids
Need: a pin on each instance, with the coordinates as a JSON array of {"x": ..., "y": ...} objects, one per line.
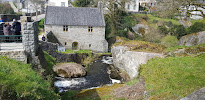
[{"x": 97, "y": 77}]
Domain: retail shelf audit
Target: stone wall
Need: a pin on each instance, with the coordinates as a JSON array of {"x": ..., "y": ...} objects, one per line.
[
  {"x": 94, "y": 41},
  {"x": 130, "y": 61},
  {"x": 30, "y": 38},
  {"x": 51, "y": 49},
  {"x": 17, "y": 55}
]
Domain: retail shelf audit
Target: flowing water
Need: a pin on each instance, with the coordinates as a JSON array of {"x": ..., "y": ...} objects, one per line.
[{"x": 97, "y": 75}]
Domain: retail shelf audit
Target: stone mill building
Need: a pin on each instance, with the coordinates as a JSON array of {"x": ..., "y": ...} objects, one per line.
[{"x": 77, "y": 28}]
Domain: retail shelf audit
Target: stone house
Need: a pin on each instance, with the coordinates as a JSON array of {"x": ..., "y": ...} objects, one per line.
[{"x": 77, "y": 28}]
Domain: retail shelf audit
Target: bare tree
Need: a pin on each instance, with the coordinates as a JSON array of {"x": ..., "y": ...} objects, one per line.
[
  {"x": 37, "y": 4},
  {"x": 173, "y": 7},
  {"x": 114, "y": 10}
]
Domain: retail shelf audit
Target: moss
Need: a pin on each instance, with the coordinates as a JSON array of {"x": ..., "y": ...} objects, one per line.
[
  {"x": 102, "y": 93},
  {"x": 141, "y": 46}
]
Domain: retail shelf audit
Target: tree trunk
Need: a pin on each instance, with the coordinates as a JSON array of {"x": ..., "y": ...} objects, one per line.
[{"x": 36, "y": 15}]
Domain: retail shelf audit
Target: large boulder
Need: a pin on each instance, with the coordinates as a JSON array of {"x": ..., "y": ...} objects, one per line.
[
  {"x": 193, "y": 39},
  {"x": 197, "y": 95},
  {"x": 70, "y": 70},
  {"x": 130, "y": 61}
]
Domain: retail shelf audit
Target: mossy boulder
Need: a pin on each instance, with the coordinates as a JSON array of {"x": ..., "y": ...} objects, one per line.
[
  {"x": 193, "y": 39},
  {"x": 69, "y": 70}
]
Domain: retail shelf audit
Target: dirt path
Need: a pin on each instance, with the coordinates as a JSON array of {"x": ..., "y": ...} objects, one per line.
[{"x": 133, "y": 92}]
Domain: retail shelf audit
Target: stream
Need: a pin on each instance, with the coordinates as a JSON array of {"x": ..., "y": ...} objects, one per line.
[{"x": 97, "y": 75}]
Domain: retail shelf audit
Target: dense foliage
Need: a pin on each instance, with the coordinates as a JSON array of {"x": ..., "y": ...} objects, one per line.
[
  {"x": 41, "y": 24},
  {"x": 83, "y": 3},
  {"x": 5, "y": 8},
  {"x": 197, "y": 27},
  {"x": 169, "y": 41}
]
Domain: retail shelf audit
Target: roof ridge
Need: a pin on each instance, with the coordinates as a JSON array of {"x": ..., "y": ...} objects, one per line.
[
  {"x": 83, "y": 16},
  {"x": 73, "y": 7}
]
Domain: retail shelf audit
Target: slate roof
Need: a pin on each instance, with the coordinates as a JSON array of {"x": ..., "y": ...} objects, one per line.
[{"x": 74, "y": 16}]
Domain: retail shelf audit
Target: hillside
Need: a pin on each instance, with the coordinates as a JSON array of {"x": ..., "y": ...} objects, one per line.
[{"x": 19, "y": 81}]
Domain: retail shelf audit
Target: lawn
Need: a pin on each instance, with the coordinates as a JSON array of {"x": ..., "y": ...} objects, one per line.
[
  {"x": 201, "y": 20},
  {"x": 67, "y": 51},
  {"x": 174, "y": 77},
  {"x": 151, "y": 18}
]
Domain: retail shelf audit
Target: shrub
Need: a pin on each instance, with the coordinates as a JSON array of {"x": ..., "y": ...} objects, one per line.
[
  {"x": 178, "y": 31},
  {"x": 121, "y": 33},
  {"x": 169, "y": 41},
  {"x": 155, "y": 21},
  {"x": 197, "y": 27},
  {"x": 163, "y": 29},
  {"x": 41, "y": 23},
  {"x": 169, "y": 23}
]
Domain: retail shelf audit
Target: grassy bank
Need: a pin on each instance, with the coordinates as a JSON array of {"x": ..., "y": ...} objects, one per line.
[
  {"x": 174, "y": 77},
  {"x": 102, "y": 93},
  {"x": 20, "y": 81},
  {"x": 140, "y": 46}
]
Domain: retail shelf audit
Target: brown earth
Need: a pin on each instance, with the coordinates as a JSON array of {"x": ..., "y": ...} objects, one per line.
[{"x": 134, "y": 92}]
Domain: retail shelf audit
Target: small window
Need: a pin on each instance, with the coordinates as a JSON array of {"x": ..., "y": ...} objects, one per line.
[
  {"x": 134, "y": 7},
  {"x": 90, "y": 29},
  {"x": 128, "y": 6},
  {"x": 65, "y": 43},
  {"x": 65, "y": 28},
  {"x": 89, "y": 45},
  {"x": 62, "y": 4}
]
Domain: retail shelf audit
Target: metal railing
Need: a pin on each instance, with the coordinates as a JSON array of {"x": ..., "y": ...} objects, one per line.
[{"x": 10, "y": 38}]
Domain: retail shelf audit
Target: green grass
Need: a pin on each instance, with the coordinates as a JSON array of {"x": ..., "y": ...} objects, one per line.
[
  {"x": 50, "y": 61},
  {"x": 174, "y": 77},
  {"x": 76, "y": 51},
  {"x": 41, "y": 24},
  {"x": 20, "y": 81},
  {"x": 172, "y": 49},
  {"x": 151, "y": 18},
  {"x": 201, "y": 20},
  {"x": 140, "y": 46},
  {"x": 132, "y": 82}
]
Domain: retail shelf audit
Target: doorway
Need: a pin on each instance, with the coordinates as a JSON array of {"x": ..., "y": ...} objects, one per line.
[{"x": 75, "y": 46}]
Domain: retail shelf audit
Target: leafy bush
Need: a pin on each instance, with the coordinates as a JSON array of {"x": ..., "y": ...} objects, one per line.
[
  {"x": 169, "y": 41},
  {"x": 178, "y": 31},
  {"x": 20, "y": 81},
  {"x": 121, "y": 33},
  {"x": 41, "y": 23},
  {"x": 155, "y": 21},
  {"x": 169, "y": 23},
  {"x": 197, "y": 27},
  {"x": 163, "y": 29}
]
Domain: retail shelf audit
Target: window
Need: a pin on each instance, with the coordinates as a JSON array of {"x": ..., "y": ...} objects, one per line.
[
  {"x": 62, "y": 4},
  {"x": 65, "y": 28},
  {"x": 128, "y": 6},
  {"x": 134, "y": 7},
  {"x": 90, "y": 29}
]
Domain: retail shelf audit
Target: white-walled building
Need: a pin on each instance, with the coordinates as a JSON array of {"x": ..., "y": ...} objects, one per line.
[
  {"x": 132, "y": 6},
  {"x": 61, "y": 3}
]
